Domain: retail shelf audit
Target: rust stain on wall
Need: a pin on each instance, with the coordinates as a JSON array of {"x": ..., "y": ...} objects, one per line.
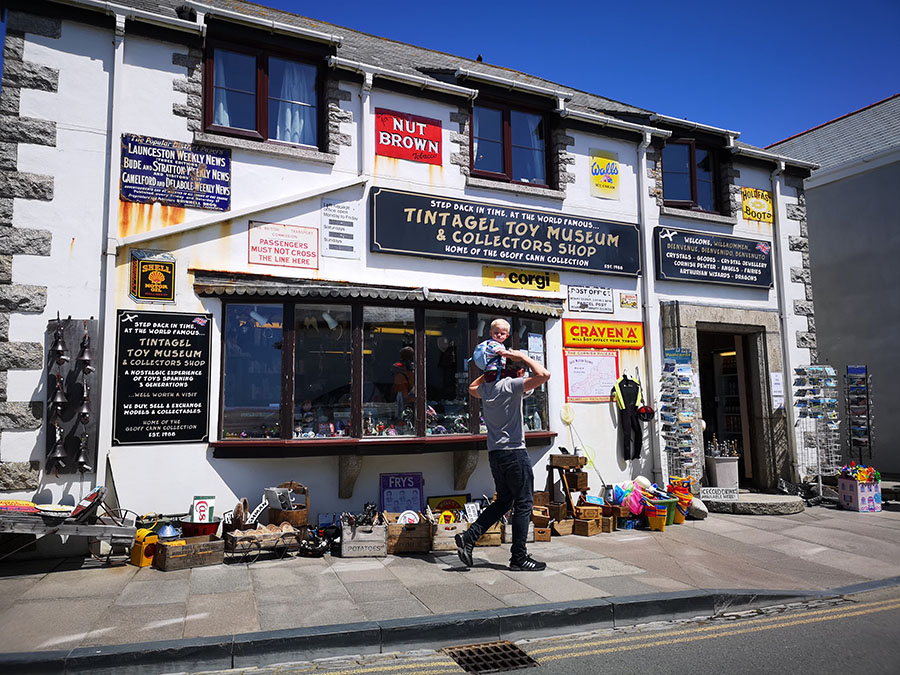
[{"x": 138, "y": 218}]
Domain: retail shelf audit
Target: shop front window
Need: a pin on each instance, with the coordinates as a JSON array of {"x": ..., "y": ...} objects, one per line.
[
  {"x": 322, "y": 371},
  {"x": 353, "y": 370},
  {"x": 446, "y": 374},
  {"x": 389, "y": 375},
  {"x": 252, "y": 368}
]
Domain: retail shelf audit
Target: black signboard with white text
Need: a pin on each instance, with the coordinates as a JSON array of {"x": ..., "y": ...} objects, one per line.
[
  {"x": 162, "y": 378},
  {"x": 437, "y": 227},
  {"x": 711, "y": 258}
]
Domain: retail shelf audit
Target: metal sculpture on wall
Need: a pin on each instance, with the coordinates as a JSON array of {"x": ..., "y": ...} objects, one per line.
[{"x": 71, "y": 425}]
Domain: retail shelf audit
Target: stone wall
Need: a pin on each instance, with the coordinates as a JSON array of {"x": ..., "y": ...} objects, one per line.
[
  {"x": 15, "y": 237},
  {"x": 801, "y": 275}
]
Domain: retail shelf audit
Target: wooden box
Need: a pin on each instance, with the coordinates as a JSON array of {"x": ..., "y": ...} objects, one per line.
[
  {"x": 558, "y": 510},
  {"x": 541, "y": 533},
  {"x": 608, "y": 524},
  {"x": 506, "y": 533},
  {"x": 407, "y": 537},
  {"x": 577, "y": 481},
  {"x": 194, "y": 552},
  {"x": 490, "y": 537},
  {"x": 540, "y": 516},
  {"x": 586, "y": 528},
  {"x": 542, "y": 498},
  {"x": 562, "y": 527},
  {"x": 567, "y": 461},
  {"x": 443, "y": 535},
  {"x": 364, "y": 541},
  {"x": 588, "y": 512}
]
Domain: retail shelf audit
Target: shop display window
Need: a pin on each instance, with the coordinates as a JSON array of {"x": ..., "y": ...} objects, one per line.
[
  {"x": 313, "y": 372},
  {"x": 389, "y": 372},
  {"x": 322, "y": 365},
  {"x": 252, "y": 371}
]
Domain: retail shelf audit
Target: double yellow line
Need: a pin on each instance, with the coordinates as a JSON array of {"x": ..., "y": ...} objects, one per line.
[{"x": 696, "y": 633}]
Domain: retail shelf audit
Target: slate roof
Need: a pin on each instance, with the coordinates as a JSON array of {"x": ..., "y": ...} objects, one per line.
[
  {"x": 406, "y": 58},
  {"x": 848, "y": 138}
]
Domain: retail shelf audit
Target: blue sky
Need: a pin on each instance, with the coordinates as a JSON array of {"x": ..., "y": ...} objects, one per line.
[{"x": 769, "y": 69}]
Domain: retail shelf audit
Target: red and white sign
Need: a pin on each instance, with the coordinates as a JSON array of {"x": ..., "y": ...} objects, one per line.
[
  {"x": 404, "y": 136},
  {"x": 283, "y": 245}
]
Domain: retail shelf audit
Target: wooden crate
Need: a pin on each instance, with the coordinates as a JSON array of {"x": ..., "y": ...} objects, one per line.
[
  {"x": 562, "y": 527},
  {"x": 364, "y": 541},
  {"x": 541, "y": 533},
  {"x": 506, "y": 533},
  {"x": 542, "y": 498},
  {"x": 194, "y": 552},
  {"x": 608, "y": 523},
  {"x": 407, "y": 537},
  {"x": 558, "y": 510},
  {"x": 443, "y": 535},
  {"x": 577, "y": 480},
  {"x": 588, "y": 512},
  {"x": 540, "y": 516},
  {"x": 567, "y": 461},
  {"x": 492, "y": 536},
  {"x": 586, "y": 528}
]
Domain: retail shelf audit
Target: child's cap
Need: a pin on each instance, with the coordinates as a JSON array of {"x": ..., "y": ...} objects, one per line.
[{"x": 487, "y": 355}]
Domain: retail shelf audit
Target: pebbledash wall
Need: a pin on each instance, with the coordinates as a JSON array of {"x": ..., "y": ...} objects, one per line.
[{"x": 66, "y": 239}]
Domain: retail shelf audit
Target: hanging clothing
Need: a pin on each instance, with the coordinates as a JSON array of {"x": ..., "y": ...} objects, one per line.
[{"x": 629, "y": 398}]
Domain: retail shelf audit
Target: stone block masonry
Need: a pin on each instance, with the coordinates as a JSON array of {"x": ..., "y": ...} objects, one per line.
[
  {"x": 801, "y": 275},
  {"x": 17, "y": 238}
]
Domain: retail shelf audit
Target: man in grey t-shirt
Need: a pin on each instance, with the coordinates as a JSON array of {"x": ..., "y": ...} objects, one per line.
[{"x": 501, "y": 395}]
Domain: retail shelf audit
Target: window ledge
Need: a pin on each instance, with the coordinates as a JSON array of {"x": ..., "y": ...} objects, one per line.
[
  {"x": 697, "y": 215},
  {"x": 264, "y": 448},
  {"x": 515, "y": 188},
  {"x": 264, "y": 148}
]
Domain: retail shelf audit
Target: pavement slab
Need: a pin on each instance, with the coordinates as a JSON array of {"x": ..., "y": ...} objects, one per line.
[
  {"x": 126, "y": 624},
  {"x": 155, "y": 592},
  {"x": 49, "y": 624},
  {"x": 453, "y": 597},
  {"x": 393, "y": 609},
  {"x": 216, "y": 578},
  {"x": 80, "y": 583},
  {"x": 221, "y": 614}
]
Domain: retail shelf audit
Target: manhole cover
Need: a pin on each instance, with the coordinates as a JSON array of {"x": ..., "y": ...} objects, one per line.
[{"x": 490, "y": 657}]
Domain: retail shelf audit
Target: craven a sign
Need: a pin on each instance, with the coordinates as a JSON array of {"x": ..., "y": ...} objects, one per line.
[
  {"x": 405, "y": 136},
  {"x": 438, "y": 227},
  {"x": 584, "y": 333},
  {"x": 505, "y": 277},
  {"x": 756, "y": 205}
]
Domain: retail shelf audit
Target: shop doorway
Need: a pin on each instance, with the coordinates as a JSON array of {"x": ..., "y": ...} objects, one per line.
[{"x": 726, "y": 396}]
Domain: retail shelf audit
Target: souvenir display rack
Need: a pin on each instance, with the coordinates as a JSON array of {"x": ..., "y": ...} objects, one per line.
[
  {"x": 818, "y": 444},
  {"x": 678, "y": 419},
  {"x": 859, "y": 413}
]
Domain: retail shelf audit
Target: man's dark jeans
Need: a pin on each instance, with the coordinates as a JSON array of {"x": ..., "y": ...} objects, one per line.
[{"x": 514, "y": 482}]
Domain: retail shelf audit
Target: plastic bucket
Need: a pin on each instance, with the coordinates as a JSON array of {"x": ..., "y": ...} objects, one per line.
[
  {"x": 189, "y": 529},
  {"x": 669, "y": 505}
]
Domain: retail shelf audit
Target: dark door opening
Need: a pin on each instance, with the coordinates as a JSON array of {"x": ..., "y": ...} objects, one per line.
[{"x": 724, "y": 395}]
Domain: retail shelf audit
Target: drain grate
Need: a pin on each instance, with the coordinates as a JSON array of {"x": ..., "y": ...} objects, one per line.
[{"x": 490, "y": 657}]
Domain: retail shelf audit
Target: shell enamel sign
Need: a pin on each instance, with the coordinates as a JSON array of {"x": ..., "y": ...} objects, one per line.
[{"x": 605, "y": 334}]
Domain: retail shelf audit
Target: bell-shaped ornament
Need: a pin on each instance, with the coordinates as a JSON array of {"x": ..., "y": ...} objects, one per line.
[
  {"x": 59, "y": 452},
  {"x": 84, "y": 412},
  {"x": 82, "y": 456},
  {"x": 86, "y": 355},
  {"x": 59, "y": 397}
]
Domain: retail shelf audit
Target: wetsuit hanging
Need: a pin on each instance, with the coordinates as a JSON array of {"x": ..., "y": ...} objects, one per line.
[{"x": 629, "y": 398}]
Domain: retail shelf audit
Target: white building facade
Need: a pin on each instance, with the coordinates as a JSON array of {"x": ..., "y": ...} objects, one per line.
[{"x": 283, "y": 240}]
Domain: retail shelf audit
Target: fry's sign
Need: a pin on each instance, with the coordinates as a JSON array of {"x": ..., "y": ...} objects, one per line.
[
  {"x": 404, "y": 136},
  {"x": 606, "y": 334}
]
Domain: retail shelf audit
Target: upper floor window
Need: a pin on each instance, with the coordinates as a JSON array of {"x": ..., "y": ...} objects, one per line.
[
  {"x": 263, "y": 96},
  {"x": 509, "y": 144},
  {"x": 689, "y": 179}
]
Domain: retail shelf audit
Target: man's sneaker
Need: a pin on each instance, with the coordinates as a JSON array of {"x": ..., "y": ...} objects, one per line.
[
  {"x": 527, "y": 564},
  {"x": 464, "y": 550}
]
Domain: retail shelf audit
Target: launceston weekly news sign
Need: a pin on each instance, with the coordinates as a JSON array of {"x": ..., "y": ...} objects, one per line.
[{"x": 415, "y": 224}]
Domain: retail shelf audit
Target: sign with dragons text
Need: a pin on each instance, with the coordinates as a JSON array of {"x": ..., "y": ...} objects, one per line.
[
  {"x": 406, "y": 136},
  {"x": 437, "y": 227},
  {"x": 174, "y": 173},
  {"x": 712, "y": 258}
]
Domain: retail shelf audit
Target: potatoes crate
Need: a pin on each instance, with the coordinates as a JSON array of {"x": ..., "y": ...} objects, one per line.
[
  {"x": 506, "y": 533},
  {"x": 189, "y": 552},
  {"x": 407, "y": 537},
  {"x": 363, "y": 541},
  {"x": 443, "y": 535}
]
